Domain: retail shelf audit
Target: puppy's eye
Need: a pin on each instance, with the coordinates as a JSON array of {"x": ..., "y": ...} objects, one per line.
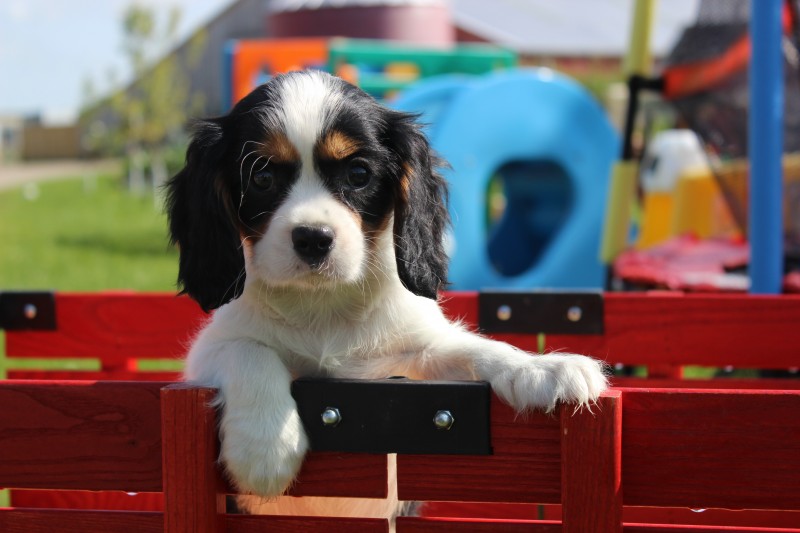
[
  {"x": 263, "y": 179},
  {"x": 358, "y": 176}
]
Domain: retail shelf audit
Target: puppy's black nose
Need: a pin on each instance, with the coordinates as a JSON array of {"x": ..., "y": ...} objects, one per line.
[{"x": 312, "y": 244}]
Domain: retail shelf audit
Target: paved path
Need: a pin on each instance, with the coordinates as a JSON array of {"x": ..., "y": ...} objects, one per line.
[{"x": 16, "y": 174}]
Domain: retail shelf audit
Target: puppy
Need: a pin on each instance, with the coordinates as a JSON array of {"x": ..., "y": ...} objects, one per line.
[{"x": 312, "y": 218}]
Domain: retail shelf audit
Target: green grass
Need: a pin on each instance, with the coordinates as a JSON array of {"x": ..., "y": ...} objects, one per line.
[{"x": 83, "y": 235}]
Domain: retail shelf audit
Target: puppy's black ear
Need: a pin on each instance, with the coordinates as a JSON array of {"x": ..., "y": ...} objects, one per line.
[
  {"x": 211, "y": 267},
  {"x": 420, "y": 215}
]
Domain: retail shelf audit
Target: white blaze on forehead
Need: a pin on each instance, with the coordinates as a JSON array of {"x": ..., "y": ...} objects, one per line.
[{"x": 307, "y": 100}]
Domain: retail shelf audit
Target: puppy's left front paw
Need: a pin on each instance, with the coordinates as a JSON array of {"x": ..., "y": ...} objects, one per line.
[{"x": 541, "y": 381}]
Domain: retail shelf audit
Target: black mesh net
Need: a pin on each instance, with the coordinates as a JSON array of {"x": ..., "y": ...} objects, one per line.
[{"x": 718, "y": 113}]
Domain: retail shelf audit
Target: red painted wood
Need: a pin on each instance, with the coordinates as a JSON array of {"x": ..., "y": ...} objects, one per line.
[
  {"x": 106, "y": 375},
  {"x": 711, "y": 449},
  {"x": 461, "y": 306},
  {"x": 641, "y": 328},
  {"x": 80, "y": 435},
  {"x": 591, "y": 469},
  {"x": 731, "y": 384},
  {"x": 716, "y": 517},
  {"x": 113, "y": 327},
  {"x": 322, "y": 474},
  {"x": 640, "y": 515},
  {"x": 343, "y": 474},
  {"x": 525, "y": 466},
  {"x": 302, "y": 524},
  {"x": 81, "y": 499},
  {"x": 708, "y": 330},
  {"x": 64, "y": 521},
  {"x": 408, "y": 524},
  {"x": 194, "y": 496},
  {"x": 657, "y": 528}
]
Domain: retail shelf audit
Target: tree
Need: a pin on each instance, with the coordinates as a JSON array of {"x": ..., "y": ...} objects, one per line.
[{"x": 142, "y": 120}]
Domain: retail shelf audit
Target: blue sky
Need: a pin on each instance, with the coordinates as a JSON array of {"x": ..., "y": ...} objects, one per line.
[{"x": 49, "y": 47}]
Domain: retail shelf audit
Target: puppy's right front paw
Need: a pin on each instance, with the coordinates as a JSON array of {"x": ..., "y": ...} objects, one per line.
[{"x": 261, "y": 459}]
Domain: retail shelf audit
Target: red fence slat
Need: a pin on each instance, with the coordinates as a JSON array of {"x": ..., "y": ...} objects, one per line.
[
  {"x": 409, "y": 524},
  {"x": 68, "y": 521},
  {"x": 591, "y": 486},
  {"x": 706, "y": 330},
  {"x": 303, "y": 524},
  {"x": 81, "y": 435},
  {"x": 525, "y": 465},
  {"x": 720, "y": 449},
  {"x": 194, "y": 497},
  {"x": 113, "y": 327}
]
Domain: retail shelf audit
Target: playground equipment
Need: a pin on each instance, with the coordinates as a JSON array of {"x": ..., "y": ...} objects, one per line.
[
  {"x": 727, "y": 80},
  {"x": 680, "y": 193},
  {"x": 550, "y": 146},
  {"x": 378, "y": 67}
]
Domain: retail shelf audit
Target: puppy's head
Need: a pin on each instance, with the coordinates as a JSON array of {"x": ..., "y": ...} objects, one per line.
[{"x": 299, "y": 182}]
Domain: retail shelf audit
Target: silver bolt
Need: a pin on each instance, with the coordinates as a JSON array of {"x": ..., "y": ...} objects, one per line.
[
  {"x": 331, "y": 417},
  {"x": 574, "y": 313},
  {"x": 504, "y": 312},
  {"x": 443, "y": 420},
  {"x": 30, "y": 311}
]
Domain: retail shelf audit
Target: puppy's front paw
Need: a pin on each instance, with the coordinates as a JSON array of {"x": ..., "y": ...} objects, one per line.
[
  {"x": 541, "y": 381},
  {"x": 263, "y": 456}
]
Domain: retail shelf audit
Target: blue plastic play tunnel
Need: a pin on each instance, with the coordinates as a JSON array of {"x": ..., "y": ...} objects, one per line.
[{"x": 543, "y": 140}]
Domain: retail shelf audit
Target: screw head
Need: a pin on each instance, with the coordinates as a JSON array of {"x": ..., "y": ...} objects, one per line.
[
  {"x": 30, "y": 311},
  {"x": 331, "y": 417},
  {"x": 574, "y": 313},
  {"x": 504, "y": 312},
  {"x": 443, "y": 420}
]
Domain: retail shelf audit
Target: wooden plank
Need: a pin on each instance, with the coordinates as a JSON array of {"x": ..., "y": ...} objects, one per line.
[
  {"x": 103, "y": 375},
  {"x": 80, "y": 435},
  {"x": 715, "y": 517},
  {"x": 591, "y": 484},
  {"x": 699, "y": 329},
  {"x": 461, "y": 306},
  {"x": 409, "y": 524},
  {"x": 639, "y": 515},
  {"x": 361, "y": 475},
  {"x": 711, "y": 449},
  {"x": 716, "y": 330},
  {"x": 322, "y": 474},
  {"x": 525, "y": 465},
  {"x": 70, "y": 521},
  {"x": 194, "y": 496},
  {"x": 303, "y": 524},
  {"x": 83, "y": 499},
  {"x": 731, "y": 384},
  {"x": 657, "y": 528},
  {"x": 113, "y": 327}
]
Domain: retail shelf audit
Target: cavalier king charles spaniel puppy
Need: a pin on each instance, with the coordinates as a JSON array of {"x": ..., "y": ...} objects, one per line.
[{"x": 312, "y": 219}]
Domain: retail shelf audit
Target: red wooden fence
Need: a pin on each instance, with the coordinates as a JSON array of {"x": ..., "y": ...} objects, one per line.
[
  {"x": 658, "y": 329},
  {"x": 639, "y": 447}
]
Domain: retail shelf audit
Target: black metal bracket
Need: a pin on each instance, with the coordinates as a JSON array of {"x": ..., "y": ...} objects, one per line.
[
  {"x": 571, "y": 313},
  {"x": 27, "y": 311},
  {"x": 395, "y": 415}
]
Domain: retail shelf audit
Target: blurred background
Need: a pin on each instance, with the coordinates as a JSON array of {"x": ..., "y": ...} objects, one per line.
[{"x": 96, "y": 96}]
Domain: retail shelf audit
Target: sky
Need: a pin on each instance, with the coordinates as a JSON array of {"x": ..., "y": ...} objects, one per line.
[{"x": 48, "y": 48}]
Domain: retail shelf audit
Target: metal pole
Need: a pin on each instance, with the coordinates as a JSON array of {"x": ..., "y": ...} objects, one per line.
[{"x": 765, "y": 141}]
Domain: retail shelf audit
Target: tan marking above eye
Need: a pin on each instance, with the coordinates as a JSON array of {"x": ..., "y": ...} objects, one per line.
[
  {"x": 337, "y": 145},
  {"x": 405, "y": 182},
  {"x": 280, "y": 149}
]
